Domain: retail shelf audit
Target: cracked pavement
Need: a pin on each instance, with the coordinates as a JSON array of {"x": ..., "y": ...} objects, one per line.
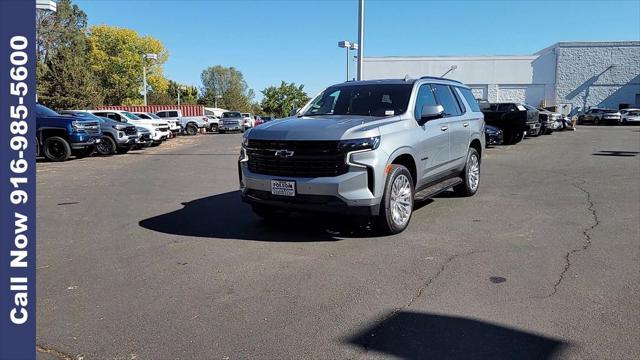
[{"x": 151, "y": 255}]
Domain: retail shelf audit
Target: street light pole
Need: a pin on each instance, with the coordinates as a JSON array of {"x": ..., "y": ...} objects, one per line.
[
  {"x": 360, "y": 37},
  {"x": 178, "y": 95},
  {"x": 144, "y": 73},
  {"x": 348, "y": 46}
]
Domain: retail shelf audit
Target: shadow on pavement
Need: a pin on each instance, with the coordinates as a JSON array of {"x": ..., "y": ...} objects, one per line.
[
  {"x": 414, "y": 335},
  {"x": 225, "y": 216},
  {"x": 615, "y": 153}
]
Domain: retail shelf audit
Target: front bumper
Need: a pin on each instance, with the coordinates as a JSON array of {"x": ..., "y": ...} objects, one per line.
[
  {"x": 534, "y": 126},
  {"x": 228, "y": 127},
  {"x": 84, "y": 144},
  {"x": 127, "y": 140},
  {"x": 351, "y": 193},
  {"x": 494, "y": 138},
  {"x": 159, "y": 135}
]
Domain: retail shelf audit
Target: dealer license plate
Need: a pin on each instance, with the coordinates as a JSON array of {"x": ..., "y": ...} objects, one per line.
[{"x": 283, "y": 188}]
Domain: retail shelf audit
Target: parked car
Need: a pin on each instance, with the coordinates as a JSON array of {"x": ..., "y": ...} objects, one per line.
[
  {"x": 159, "y": 129},
  {"x": 231, "y": 121},
  {"x": 60, "y": 136},
  {"x": 630, "y": 116},
  {"x": 214, "y": 122},
  {"x": 249, "y": 122},
  {"x": 599, "y": 116},
  {"x": 366, "y": 148},
  {"x": 144, "y": 138},
  {"x": 189, "y": 124},
  {"x": 174, "y": 125},
  {"x": 116, "y": 136},
  {"x": 549, "y": 121},
  {"x": 565, "y": 123},
  {"x": 514, "y": 119},
  {"x": 493, "y": 135}
]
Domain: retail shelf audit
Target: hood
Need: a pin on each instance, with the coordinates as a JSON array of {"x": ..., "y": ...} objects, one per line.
[{"x": 329, "y": 127}]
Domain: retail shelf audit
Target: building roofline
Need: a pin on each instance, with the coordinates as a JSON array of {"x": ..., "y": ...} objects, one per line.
[{"x": 452, "y": 58}]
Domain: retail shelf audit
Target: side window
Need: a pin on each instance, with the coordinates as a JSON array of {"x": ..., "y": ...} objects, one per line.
[
  {"x": 471, "y": 101},
  {"x": 172, "y": 113},
  {"x": 161, "y": 114},
  {"x": 445, "y": 97},
  {"x": 113, "y": 116},
  {"x": 424, "y": 97}
]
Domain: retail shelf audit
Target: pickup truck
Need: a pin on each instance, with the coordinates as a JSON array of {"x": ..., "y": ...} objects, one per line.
[
  {"x": 61, "y": 136},
  {"x": 370, "y": 149},
  {"x": 174, "y": 125},
  {"x": 549, "y": 121},
  {"x": 189, "y": 124},
  {"x": 159, "y": 129},
  {"x": 116, "y": 136},
  {"x": 231, "y": 121},
  {"x": 514, "y": 119}
]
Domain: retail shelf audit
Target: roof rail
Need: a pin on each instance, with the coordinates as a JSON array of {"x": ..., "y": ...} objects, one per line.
[{"x": 439, "y": 78}]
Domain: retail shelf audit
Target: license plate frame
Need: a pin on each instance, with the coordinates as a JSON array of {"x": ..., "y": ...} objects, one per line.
[{"x": 283, "y": 187}]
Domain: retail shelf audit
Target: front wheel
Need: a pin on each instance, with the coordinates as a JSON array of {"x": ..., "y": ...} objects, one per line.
[
  {"x": 396, "y": 206},
  {"x": 56, "y": 149},
  {"x": 470, "y": 175},
  {"x": 123, "y": 150},
  {"x": 107, "y": 146},
  {"x": 214, "y": 128},
  {"x": 85, "y": 152}
]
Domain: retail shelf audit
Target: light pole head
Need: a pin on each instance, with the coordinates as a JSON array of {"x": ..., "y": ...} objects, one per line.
[
  {"x": 151, "y": 56},
  {"x": 354, "y": 46},
  {"x": 344, "y": 44}
]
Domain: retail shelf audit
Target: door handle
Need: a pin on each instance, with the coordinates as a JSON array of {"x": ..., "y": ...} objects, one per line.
[
  {"x": 444, "y": 128},
  {"x": 465, "y": 124}
]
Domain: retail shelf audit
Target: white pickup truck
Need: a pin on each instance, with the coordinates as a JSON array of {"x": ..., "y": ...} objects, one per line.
[{"x": 189, "y": 124}]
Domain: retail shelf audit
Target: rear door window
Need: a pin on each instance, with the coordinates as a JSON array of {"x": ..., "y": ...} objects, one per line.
[
  {"x": 445, "y": 97},
  {"x": 172, "y": 113},
  {"x": 471, "y": 101},
  {"x": 161, "y": 114}
]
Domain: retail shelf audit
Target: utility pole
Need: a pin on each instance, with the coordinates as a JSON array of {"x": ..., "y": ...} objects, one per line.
[
  {"x": 144, "y": 73},
  {"x": 360, "y": 37}
]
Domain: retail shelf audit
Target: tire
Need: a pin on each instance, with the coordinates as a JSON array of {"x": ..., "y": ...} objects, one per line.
[
  {"x": 56, "y": 149},
  {"x": 84, "y": 152},
  {"x": 107, "y": 146},
  {"x": 396, "y": 206},
  {"x": 123, "y": 150},
  {"x": 518, "y": 136},
  {"x": 596, "y": 122},
  {"x": 191, "y": 129},
  {"x": 220, "y": 131},
  {"x": 214, "y": 128},
  {"x": 470, "y": 175}
]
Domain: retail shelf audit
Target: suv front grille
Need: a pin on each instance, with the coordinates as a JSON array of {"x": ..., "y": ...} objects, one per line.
[
  {"x": 91, "y": 127},
  {"x": 299, "y": 158},
  {"x": 130, "y": 130}
]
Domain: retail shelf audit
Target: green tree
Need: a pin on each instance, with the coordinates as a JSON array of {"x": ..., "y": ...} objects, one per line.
[
  {"x": 227, "y": 85},
  {"x": 116, "y": 57},
  {"x": 279, "y": 101},
  {"x": 63, "y": 75},
  {"x": 188, "y": 94}
]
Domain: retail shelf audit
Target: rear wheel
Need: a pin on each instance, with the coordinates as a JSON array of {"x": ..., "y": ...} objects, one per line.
[
  {"x": 56, "y": 149},
  {"x": 470, "y": 175},
  {"x": 107, "y": 146},
  {"x": 123, "y": 150},
  {"x": 191, "y": 129},
  {"x": 396, "y": 206},
  {"x": 214, "y": 128}
]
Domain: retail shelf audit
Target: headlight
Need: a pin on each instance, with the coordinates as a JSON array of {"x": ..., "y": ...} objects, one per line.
[
  {"x": 360, "y": 144},
  {"x": 119, "y": 127},
  {"x": 156, "y": 124},
  {"x": 77, "y": 125},
  {"x": 245, "y": 140}
]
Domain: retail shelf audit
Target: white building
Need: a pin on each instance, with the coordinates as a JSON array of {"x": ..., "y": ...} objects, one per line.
[{"x": 570, "y": 76}]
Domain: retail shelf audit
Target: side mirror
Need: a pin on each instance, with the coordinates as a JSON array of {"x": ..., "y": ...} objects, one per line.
[
  {"x": 294, "y": 111},
  {"x": 430, "y": 112}
]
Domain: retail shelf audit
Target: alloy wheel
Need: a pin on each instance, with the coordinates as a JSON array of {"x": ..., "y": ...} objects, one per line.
[
  {"x": 473, "y": 174},
  {"x": 401, "y": 200}
]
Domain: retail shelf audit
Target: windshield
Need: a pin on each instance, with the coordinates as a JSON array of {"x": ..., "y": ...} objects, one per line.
[
  {"x": 42, "y": 110},
  {"x": 130, "y": 115},
  {"x": 609, "y": 111},
  {"x": 231, "y": 114},
  {"x": 153, "y": 116},
  {"x": 367, "y": 100}
]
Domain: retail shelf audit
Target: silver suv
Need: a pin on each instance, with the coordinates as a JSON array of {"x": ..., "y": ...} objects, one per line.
[{"x": 369, "y": 148}]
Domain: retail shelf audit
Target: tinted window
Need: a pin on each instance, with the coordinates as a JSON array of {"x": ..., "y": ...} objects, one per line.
[
  {"x": 424, "y": 97},
  {"x": 143, "y": 116},
  {"x": 445, "y": 97},
  {"x": 230, "y": 114},
  {"x": 130, "y": 115},
  {"x": 153, "y": 116},
  {"x": 471, "y": 101},
  {"x": 161, "y": 114},
  {"x": 172, "y": 113}
]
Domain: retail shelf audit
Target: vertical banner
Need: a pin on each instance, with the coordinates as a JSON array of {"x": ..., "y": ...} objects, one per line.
[{"x": 17, "y": 179}]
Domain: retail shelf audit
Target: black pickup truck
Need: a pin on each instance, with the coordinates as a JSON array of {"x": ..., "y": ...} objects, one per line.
[{"x": 514, "y": 119}]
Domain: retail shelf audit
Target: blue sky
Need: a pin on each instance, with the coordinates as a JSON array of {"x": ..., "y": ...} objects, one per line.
[{"x": 296, "y": 41}]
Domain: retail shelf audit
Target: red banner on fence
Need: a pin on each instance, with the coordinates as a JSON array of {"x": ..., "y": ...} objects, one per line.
[{"x": 187, "y": 110}]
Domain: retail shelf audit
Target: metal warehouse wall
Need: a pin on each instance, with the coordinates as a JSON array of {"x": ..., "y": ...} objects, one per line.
[
  {"x": 187, "y": 110},
  {"x": 599, "y": 74}
]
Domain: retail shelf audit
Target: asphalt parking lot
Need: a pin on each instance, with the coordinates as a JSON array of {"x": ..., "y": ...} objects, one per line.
[{"x": 151, "y": 255}]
